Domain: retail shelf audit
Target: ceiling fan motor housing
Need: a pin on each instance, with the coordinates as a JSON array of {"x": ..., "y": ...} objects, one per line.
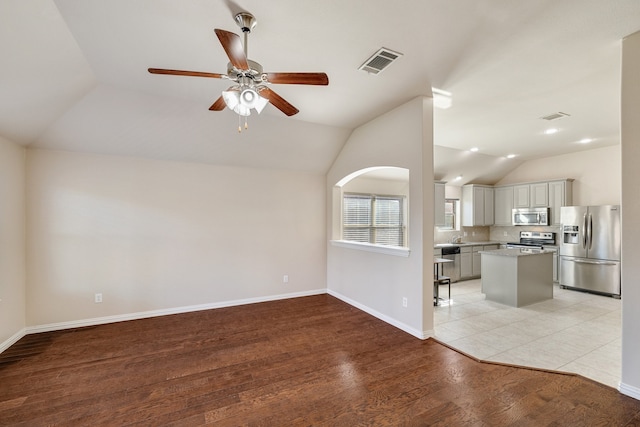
[{"x": 255, "y": 71}]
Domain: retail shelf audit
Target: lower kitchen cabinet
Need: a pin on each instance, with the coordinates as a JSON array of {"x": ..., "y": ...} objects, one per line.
[
  {"x": 471, "y": 260},
  {"x": 477, "y": 268},
  {"x": 466, "y": 262},
  {"x": 477, "y": 258}
]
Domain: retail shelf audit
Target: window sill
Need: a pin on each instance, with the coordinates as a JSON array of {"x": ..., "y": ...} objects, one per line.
[{"x": 387, "y": 250}]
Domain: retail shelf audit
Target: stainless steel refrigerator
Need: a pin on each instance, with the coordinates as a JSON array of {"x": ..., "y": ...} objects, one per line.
[{"x": 590, "y": 249}]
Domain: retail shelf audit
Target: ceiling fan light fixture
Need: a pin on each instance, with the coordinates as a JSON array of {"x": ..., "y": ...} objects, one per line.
[
  {"x": 260, "y": 103},
  {"x": 233, "y": 100},
  {"x": 248, "y": 97}
]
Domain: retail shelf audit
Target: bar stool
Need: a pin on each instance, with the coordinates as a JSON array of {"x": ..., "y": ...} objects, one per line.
[{"x": 437, "y": 281}]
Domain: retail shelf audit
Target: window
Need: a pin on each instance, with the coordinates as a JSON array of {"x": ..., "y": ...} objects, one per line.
[
  {"x": 370, "y": 218},
  {"x": 450, "y": 210}
]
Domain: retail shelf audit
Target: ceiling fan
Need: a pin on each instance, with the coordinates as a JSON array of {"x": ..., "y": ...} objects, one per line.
[{"x": 251, "y": 89}]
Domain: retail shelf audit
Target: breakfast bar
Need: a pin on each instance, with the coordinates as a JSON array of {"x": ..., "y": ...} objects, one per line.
[{"x": 517, "y": 277}]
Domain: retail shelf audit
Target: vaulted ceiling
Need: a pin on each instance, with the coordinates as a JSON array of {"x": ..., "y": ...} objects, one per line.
[{"x": 74, "y": 76}]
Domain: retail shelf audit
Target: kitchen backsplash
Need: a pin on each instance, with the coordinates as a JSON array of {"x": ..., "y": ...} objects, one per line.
[
  {"x": 466, "y": 234},
  {"x": 512, "y": 234},
  {"x": 493, "y": 233}
]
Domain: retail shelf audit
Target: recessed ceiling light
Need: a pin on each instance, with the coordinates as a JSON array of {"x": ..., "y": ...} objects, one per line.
[
  {"x": 473, "y": 149},
  {"x": 585, "y": 140},
  {"x": 458, "y": 178},
  {"x": 510, "y": 156},
  {"x": 551, "y": 131}
]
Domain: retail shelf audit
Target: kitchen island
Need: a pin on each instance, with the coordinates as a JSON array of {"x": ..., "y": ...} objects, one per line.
[{"x": 517, "y": 277}]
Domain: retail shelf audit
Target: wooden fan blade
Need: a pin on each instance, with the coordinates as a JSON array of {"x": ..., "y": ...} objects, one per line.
[
  {"x": 232, "y": 45},
  {"x": 186, "y": 73},
  {"x": 298, "y": 78},
  {"x": 218, "y": 105},
  {"x": 279, "y": 102}
]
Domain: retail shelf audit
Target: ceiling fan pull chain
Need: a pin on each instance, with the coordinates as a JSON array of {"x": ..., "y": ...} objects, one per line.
[{"x": 239, "y": 126}]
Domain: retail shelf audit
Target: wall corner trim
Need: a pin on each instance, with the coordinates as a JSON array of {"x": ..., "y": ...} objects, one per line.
[
  {"x": 629, "y": 390},
  {"x": 393, "y": 322},
  {"x": 13, "y": 339}
]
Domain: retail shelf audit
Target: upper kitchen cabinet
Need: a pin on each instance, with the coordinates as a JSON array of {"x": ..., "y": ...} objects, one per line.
[
  {"x": 560, "y": 194},
  {"x": 438, "y": 203},
  {"x": 503, "y": 205},
  {"x": 521, "y": 196},
  {"x": 552, "y": 194},
  {"x": 477, "y": 205},
  {"x": 534, "y": 195},
  {"x": 539, "y": 195}
]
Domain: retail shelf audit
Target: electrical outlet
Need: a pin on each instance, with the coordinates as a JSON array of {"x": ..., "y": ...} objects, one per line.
[
  {"x": 97, "y": 298},
  {"x": 465, "y": 234},
  {"x": 505, "y": 234},
  {"x": 404, "y": 301},
  {"x": 473, "y": 233},
  {"x": 285, "y": 278}
]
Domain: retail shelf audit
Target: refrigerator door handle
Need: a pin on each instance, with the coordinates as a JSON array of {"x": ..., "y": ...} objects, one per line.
[
  {"x": 590, "y": 231},
  {"x": 582, "y": 261},
  {"x": 584, "y": 231}
]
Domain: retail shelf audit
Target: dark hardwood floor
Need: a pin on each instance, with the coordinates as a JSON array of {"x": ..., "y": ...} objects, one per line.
[{"x": 304, "y": 361}]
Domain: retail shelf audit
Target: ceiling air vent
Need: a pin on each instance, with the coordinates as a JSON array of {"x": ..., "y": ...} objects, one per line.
[
  {"x": 555, "y": 116},
  {"x": 379, "y": 61}
]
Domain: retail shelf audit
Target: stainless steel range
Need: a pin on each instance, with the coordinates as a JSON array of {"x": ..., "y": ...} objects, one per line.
[{"x": 534, "y": 239}]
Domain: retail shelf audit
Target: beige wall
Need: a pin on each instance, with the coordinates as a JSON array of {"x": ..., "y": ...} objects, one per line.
[
  {"x": 153, "y": 235},
  {"x": 377, "y": 282},
  {"x": 12, "y": 243},
  {"x": 630, "y": 125},
  {"x": 596, "y": 172}
]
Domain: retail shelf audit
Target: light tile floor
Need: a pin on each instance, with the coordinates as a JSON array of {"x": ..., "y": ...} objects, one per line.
[{"x": 574, "y": 332}]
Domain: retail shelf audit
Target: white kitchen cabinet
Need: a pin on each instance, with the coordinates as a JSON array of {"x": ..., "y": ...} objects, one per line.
[
  {"x": 466, "y": 262},
  {"x": 488, "y": 206},
  {"x": 477, "y": 257},
  {"x": 534, "y": 195},
  {"x": 560, "y": 194},
  {"x": 477, "y": 205},
  {"x": 539, "y": 195},
  {"x": 503, "y": 203},
  {"x": 477, "y": 261},
  {"x": 438, "y": 203},
  {"x": 521, "y": 197}
]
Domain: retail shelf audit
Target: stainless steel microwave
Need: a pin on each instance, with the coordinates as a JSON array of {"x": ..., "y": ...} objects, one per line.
[{"x": 530, "y": 216}]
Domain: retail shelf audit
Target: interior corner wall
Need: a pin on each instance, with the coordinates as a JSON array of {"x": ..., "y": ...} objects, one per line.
[
  {"x": 12, "y": 243},
  {"x": 630, "y": 131},
  {"x": 155, "y": 237},
  {"x": 378, "y": 282},
  {"x": 596, "y": 172}
]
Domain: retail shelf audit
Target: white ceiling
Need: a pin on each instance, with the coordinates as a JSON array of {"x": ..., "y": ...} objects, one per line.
[{"x": 74, "y": 77}]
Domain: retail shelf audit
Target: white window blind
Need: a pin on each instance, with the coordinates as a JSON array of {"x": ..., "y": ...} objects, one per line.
[{"x": 374, "y": 219}]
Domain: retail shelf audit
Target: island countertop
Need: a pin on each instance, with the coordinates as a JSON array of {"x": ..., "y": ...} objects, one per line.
[{"x": 515, "y": 252}]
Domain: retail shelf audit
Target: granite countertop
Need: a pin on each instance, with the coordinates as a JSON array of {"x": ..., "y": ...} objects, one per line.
[
  {"x": 515, "y": 252},
  {"x": 444, "y": 245}
]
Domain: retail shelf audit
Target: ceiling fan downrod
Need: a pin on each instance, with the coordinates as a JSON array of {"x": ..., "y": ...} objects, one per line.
[{"x": 246, "y": 22}]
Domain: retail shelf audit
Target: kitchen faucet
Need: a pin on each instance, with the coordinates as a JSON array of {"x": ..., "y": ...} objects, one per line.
[{"x": 454, "y": 239}]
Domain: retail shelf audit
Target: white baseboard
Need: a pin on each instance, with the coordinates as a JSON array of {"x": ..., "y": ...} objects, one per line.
[
  {"x": 163, "y": 312},
  {"x": 394, "y": 322},
  {"x": 186, "y": 309},
  {"x": 12, "y": 340},
  {"x": 629, "y": 390}
]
